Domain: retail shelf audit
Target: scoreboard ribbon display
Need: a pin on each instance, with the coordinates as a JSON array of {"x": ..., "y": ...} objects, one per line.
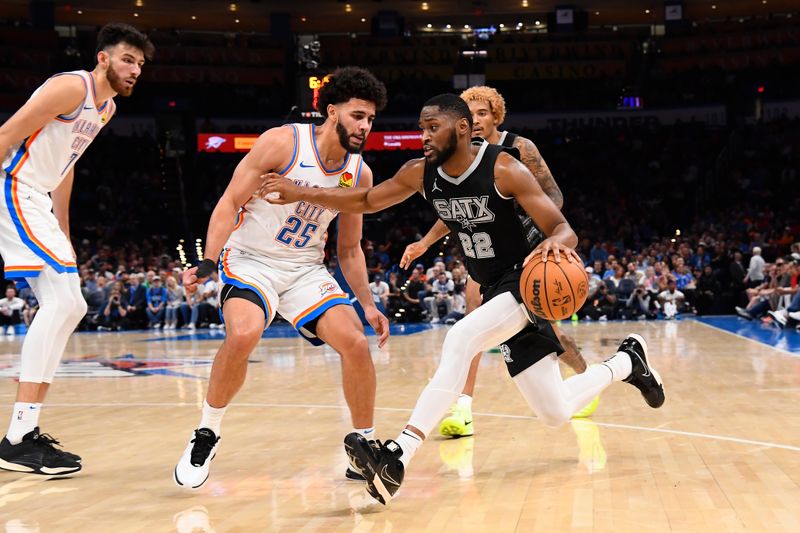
[
  {"x": 242, "y": 142},
  {"x": 225, "y": 142}
]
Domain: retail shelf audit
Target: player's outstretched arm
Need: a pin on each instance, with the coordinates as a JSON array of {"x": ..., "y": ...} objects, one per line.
[
  {"x": 61, "y": 95},
  {"x": 408, "y": 180},
  {"x": 512, "y": 178},
  {"x": 531, "y": 158},
  {"x": 416, "y": 249},
  {"x": 354, "y": 267}
]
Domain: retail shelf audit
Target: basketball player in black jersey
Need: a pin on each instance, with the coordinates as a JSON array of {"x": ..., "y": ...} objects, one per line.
[
  {"x": 488, "y": 110},
  {"x": 471, "y": 187}
]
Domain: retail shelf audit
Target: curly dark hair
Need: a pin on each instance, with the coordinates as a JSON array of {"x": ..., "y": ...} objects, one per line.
[
  {"x": 351, "y": 82},
  {"x": 117, "y": 32}
]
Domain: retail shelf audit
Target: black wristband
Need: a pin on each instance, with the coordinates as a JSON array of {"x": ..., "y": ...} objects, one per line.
[{"x": 206, "y": 267}]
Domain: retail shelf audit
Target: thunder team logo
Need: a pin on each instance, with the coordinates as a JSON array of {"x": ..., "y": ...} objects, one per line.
[
  {"x": 327, "y": 287},
  {"x": 214, "y": 142}
]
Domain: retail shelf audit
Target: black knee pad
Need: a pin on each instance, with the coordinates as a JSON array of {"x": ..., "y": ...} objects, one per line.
[{"x": 231, "y": 291}]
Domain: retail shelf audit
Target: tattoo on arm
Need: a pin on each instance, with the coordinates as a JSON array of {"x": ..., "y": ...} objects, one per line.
[{"x": 532, "y": 159}]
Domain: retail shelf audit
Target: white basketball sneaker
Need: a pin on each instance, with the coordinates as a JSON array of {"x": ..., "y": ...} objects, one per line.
[{"x": 193, "y": 468}]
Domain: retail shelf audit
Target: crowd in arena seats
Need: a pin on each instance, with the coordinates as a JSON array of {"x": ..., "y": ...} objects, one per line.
[
  {"x": 127, "y": 290},
  {"x": 120, "y": 299}
]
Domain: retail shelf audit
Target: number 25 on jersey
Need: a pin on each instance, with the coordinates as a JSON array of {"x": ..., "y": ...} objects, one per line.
[{"x": 295, "y": 232}]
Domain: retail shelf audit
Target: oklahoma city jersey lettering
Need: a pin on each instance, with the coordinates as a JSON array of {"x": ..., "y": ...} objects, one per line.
[
  {"x": 43, "y": 159},
  {"x": 294, "y": 232}
]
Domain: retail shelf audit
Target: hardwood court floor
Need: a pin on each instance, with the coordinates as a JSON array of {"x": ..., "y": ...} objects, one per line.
[{"x": 723, "y": 454}]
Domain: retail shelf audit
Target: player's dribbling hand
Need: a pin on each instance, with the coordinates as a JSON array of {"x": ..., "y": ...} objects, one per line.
[
  {"x": 379, "y": 323},
  {"x": 413, "y": 251},
  {"x": 276, "y": 189},
  {"x": 558, "y": 250},
  {"x": 189, "y": 280}
]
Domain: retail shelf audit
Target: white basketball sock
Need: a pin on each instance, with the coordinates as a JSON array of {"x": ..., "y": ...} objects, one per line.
[
  {"x": 409, "y": 442},
  {"x": 465, "y": 401},
  {"x": 212, "y": 417},
  {"x": 367, "y": 433},
  {"x": 620, "y": 366},
  {"x": 24, "y": 418}
]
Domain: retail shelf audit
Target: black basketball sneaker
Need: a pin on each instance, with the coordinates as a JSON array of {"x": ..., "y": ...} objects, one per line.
[
  {"x": 379, "y": 464},
  {"x": 37, "y": 454},
  {"x": 45, "y": 437},
  {"x": 643, "y": 376},
  {"x": 352, "y": 475}
]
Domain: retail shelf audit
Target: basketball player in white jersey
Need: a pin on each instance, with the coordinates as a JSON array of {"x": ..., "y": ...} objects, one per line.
[
  {"x": 488, "y": 108},
  {"x": 270, "y": 259},
  {"x": 471, "y": 187},
  {"x": 42, "y": 142}
]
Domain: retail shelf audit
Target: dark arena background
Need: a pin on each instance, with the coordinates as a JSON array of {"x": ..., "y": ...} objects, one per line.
[{"x": 673, "y": 131}]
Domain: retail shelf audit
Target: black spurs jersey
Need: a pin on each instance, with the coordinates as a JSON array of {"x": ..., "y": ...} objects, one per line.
[
  {"x": 486, "y": 223},
  {"x": 507, "y": 139}
]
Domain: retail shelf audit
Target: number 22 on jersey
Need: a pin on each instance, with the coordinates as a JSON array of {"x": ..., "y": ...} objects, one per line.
[{"x": 477, "y": 246}]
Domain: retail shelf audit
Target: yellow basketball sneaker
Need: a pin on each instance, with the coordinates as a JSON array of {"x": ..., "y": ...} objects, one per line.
[
  {"x": 589, "y": 409},
  {"x": 459, "y": 423}
]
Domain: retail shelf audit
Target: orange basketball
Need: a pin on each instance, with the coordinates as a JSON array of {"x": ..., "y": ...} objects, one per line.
[{"x": 553, "y": 291}]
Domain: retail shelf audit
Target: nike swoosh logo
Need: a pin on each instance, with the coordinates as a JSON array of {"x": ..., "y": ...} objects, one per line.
[
  {"x": 85, "y": 107},
  {"x": 385, "y": 475},
  {"x": 303, "y": 165},
  {"x": 468, "y": 423},
  {"x": 647, "y": 368}
]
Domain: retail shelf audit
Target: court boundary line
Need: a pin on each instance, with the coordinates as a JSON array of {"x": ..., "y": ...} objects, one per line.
[
  {"x": 780, "y": 350},
  {"x": 612, "y": 425}
]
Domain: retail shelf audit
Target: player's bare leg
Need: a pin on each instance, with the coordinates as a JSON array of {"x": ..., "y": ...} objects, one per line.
[
  {"x": 340, "y": 328},
  {"x": 244, "y": 324},
  {"x": 32, "y": 392}
]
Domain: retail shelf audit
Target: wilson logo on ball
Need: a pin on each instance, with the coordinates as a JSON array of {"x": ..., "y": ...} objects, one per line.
[{"x": 536, "y": 301}]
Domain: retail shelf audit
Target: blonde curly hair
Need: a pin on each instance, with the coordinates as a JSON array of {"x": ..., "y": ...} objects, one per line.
[{"x": 490, "y": 95}]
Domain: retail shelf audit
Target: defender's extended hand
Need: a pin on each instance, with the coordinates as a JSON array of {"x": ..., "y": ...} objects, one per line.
[
  {"x": 413, "y": 251},
  {"x": 276, "y": 189}
]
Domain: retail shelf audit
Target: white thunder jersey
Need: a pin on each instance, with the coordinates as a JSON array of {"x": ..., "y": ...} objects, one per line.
[
  {"x": 295, "y": 232},
  {"x": 43, "y": 159}
]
